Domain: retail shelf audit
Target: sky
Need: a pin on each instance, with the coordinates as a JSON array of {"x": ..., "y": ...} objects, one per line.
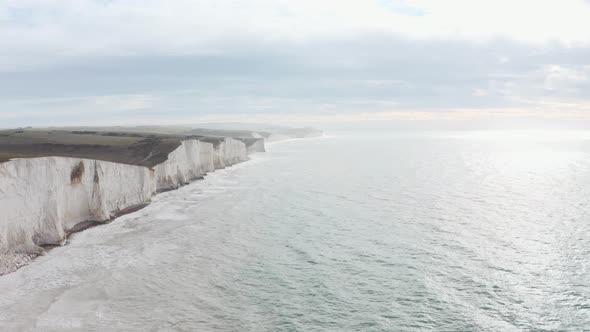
[{"x": 308, "y": 62}]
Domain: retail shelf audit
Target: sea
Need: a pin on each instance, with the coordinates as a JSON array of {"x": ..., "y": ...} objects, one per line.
[{"x": 355, "y": 231}]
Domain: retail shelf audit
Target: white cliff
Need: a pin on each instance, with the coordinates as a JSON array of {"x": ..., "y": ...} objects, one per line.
[
  {"x": 229, "y": 152},
  {"x": 191, "y": 160},
  {"x": 43, "y": 199},
  {"x": 256, "y": 146}
]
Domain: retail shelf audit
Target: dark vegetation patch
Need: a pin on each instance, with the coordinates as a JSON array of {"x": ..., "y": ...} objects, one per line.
[
  {"x": 96, "y": 178},
  {"x": 77, "y": 172},
  {"x": 128, "y": 210},
  {"x": 249, "y": 141},
  {"x": 84, "y": 225},
  {"x": 119, "y": 147}
]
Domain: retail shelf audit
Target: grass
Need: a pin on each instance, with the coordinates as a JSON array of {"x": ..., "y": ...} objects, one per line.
[{"x": 121, "y": 147}]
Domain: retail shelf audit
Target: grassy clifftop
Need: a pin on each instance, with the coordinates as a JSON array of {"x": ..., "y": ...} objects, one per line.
[{"x": 126, "y": 148}]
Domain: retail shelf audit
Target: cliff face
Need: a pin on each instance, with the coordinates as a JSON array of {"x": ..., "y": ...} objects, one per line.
[
  {"x": 42, "y": 199},
  {"x": 193, "y": 159},
  {"x": 188, "y": 162},
  {"x": 257, "y": 146},
  {"x": 229, "y": 152}
]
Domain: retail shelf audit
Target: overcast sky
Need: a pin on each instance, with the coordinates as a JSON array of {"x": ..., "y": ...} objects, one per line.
[{"x": 95, "y": 62}]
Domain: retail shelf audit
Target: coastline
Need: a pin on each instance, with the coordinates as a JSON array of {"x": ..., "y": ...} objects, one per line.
[
  {"x": 11, "y": 261},
  {"x": 184, "y": 165}
]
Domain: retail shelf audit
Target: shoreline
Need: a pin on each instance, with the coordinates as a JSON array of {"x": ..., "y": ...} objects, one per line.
[
  {"x": 47, "y": 199},
  {"x": 11, "y": 262},
  {"x": 44, "y": 198}
]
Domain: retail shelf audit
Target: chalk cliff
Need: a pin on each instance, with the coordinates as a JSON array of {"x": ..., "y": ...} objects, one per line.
[
  {"x": 255, "y": 144},
  {"x": 228, "y": 152},
  {"x": 43, "y": 199},
  {"x": 191, "y": 160}
]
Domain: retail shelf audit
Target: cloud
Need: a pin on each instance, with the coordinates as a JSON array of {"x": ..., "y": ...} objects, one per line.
[
  {"x": 98, "y": 60},
  {"x": 559, "y": 77},
  {"x": 34, "y": 33},
  {"x": 524, "y": 20}
]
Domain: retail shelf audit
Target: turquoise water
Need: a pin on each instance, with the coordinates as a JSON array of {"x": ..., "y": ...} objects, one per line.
[{"x": 402, "y": 231}]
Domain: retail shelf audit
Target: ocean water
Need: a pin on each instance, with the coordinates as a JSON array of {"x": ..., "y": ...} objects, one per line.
[{"x": 373, "y": 231}]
